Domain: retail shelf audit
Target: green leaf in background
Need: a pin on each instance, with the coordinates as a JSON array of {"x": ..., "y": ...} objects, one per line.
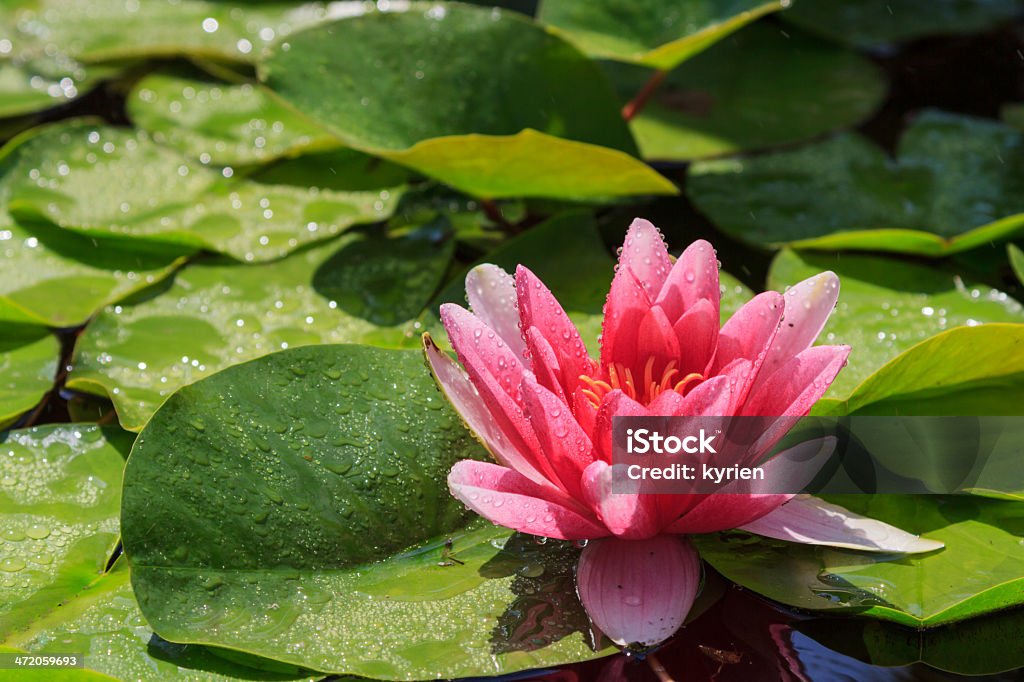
[
  {"x": 217, "y": 314},
  {"x": 110, "y": 182},
  {"x": 105, "y": 30},
  {"x": 648, "y": 32},
  {"x": 481, "y": 99},
  {"x": 957, "y": 183},
  {"x": 758, "y": 88},
  {"x": 39, "y": 267},
  {"x": 980, "y": 570},
  {"x": 60, "y": 492},
  {"x": 886, "y": 306},
  {"x": 1016, "y": 261},
  {"x": 291, "y": 489},
  {"x": 38, "y": 85},
  {"x": 28, "y": 364},
  {"x": 219, "y": 123},
  {"x": 877, "y": 23}
]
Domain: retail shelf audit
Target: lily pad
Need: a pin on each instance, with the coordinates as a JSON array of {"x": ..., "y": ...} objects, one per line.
[
  {"x": 877, "y": 23},
  {"x": 957, "y": 183},
  {"x": 59, "y": 500},
  {"x": 351, "y": 445},
  {"x": 110, "y": 182},
  {"x": 216, "y": 314},
  {"x": 39, "y": 266},
  {"x": 646, "y": 31},
  {"x": 220, "y": 123},
  {"x": 887, "y": 306},
  {"x": 1016, "y": 261},
  {"x": 758, "y": 88},
  {"x": 433, "y": 88},
  {"x": 980, "y": 570},
  {"x": 37, "y": 85},
  {"x": 28, "y": 363}
]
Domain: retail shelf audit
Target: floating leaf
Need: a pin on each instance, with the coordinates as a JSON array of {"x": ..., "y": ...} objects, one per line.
[
  {"x": 216, "y": 314},
  {"x": 110, "y": 182},
  {"x": 758, "y": 88},
  {"x": 433, "y": 88},
  {"x": 646, "y": 31},
  {"x": 28, "y": 363},
  {"x": 980, "y": 570},
  {"x": 876, "y": 23},
  {"x": 38, "y": 85},
  {"x": 219, "y": 123},
  {"x": 291, "y": 489},
  {"x": 59, "y": 501},
  {"x": 958, "y": 183},
  {"x": 888, "y": 306},
  {"x": 1016, "y": 261}
]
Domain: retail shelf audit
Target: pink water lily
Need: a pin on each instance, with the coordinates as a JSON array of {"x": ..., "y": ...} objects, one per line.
[{"x": 543, "y": 408}]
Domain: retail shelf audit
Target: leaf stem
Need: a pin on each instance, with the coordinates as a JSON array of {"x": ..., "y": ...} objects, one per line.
[
  {"x": 637, "y": 104},
  {"x": 658, "y": 668}
]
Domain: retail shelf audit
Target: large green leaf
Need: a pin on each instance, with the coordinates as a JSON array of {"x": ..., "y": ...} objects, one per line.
[
  {"x": 111, "y": 182},
  {"x": 647, "y": 31},
  {"x": 295, "y": 507},
  {"x": 216, "y": 314},
  {"x": 980, "y": 570},
  {"x": 60, "y": 491},
  {"x": 958, "y": 183},
  {"x": 482, "y": 99},
  {"x": 875, "y": 23},
  {"x": 219, "y": 123},
  {"x": 758, "y": 88},
  {"x": 886, "y": 306},
  {"x": 28, "y": 363},
  {"x": 41, "y": 84},
  {"x": 105, "y": 30},
  {"x": 38, "y": 267}
]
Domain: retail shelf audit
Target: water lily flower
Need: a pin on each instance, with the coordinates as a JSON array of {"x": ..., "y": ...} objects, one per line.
[{"x": 541, "y": 405}]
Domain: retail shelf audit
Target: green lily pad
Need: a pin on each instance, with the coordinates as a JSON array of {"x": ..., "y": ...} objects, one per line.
[
  {"x": 220, "y": 123},
  {"x": 38, "y": 267},
  {"x": 957, "y": 183},
  {"x": 758, "y": 88},
  {"x": 59, "y": 500},
  {"x": 216, "y": 314},
  {"x": 41, "y": 84},
  {"x": 887, "y": 306},
  {"x": 106, "y": 30},
  {"x": 987, "y": 645},
  {"x": 433, "y": 88},
  {"x": 876, "y": 23},
  {"x": 110, "y": 182},
  {"x": 28, "y": 363},
  {"x": 646, "y": 31},
  {"x": 351, "y": 445},
  {"x": 980, "y": 570},
  {"x": 1016, "y": 261}
]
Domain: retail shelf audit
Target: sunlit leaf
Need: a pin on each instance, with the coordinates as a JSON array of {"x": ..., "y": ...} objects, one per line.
[{"x": 28, "y": 363}]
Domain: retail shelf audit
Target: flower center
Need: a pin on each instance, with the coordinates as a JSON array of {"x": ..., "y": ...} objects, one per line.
[{"x": 644, "y": 391}]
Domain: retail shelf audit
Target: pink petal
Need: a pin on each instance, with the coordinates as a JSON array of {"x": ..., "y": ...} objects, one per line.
[
  {"x": 632, "y": 515},
  {"x": 797, "y": 384},
  {"x": 724, "y": 512},
  {"x": 544, "y": 362},
  {"x": 540, "y": 309},
  {"x": 655, "y": 339},
  {"x": 711, "y": 398},
  {"x": 492, "y": 297},
  {"x": 807, "y": 307},
  {"x": 697, "y": 332},
  {"x": 693, "y": 278},
  {"x": 504, "y": 497},
  {"x": 615, "y": 404},
  {"x": 565, "y": 447},
  {"x": 464, "y": 397},
  {"x": 644, "y": 254},
  {"x": 749, "y": 332},
  {"x": 638, "y": 591},
  {"x": 809, "y": 520}
]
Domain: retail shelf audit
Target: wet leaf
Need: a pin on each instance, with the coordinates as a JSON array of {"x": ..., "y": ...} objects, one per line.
[
  {"x": 28, "y": 363},
  {"x": 481, "y": 99},
  {"x": 957, "y": 183},
  {"x": 302, "y": 514},
  {"x": 757, "y": 88},
  {"x": 981, "y": 569},
  {"x": 888, "y": 306},
  {"x": 646, "y": 31},
  {"x": 220, "y": 123},
  {"x": 364, "y": 288},
  {"x": 876, "y": 23},
  {"x": 108, "y": 182},
  {"x": 42, "y": 84}
]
